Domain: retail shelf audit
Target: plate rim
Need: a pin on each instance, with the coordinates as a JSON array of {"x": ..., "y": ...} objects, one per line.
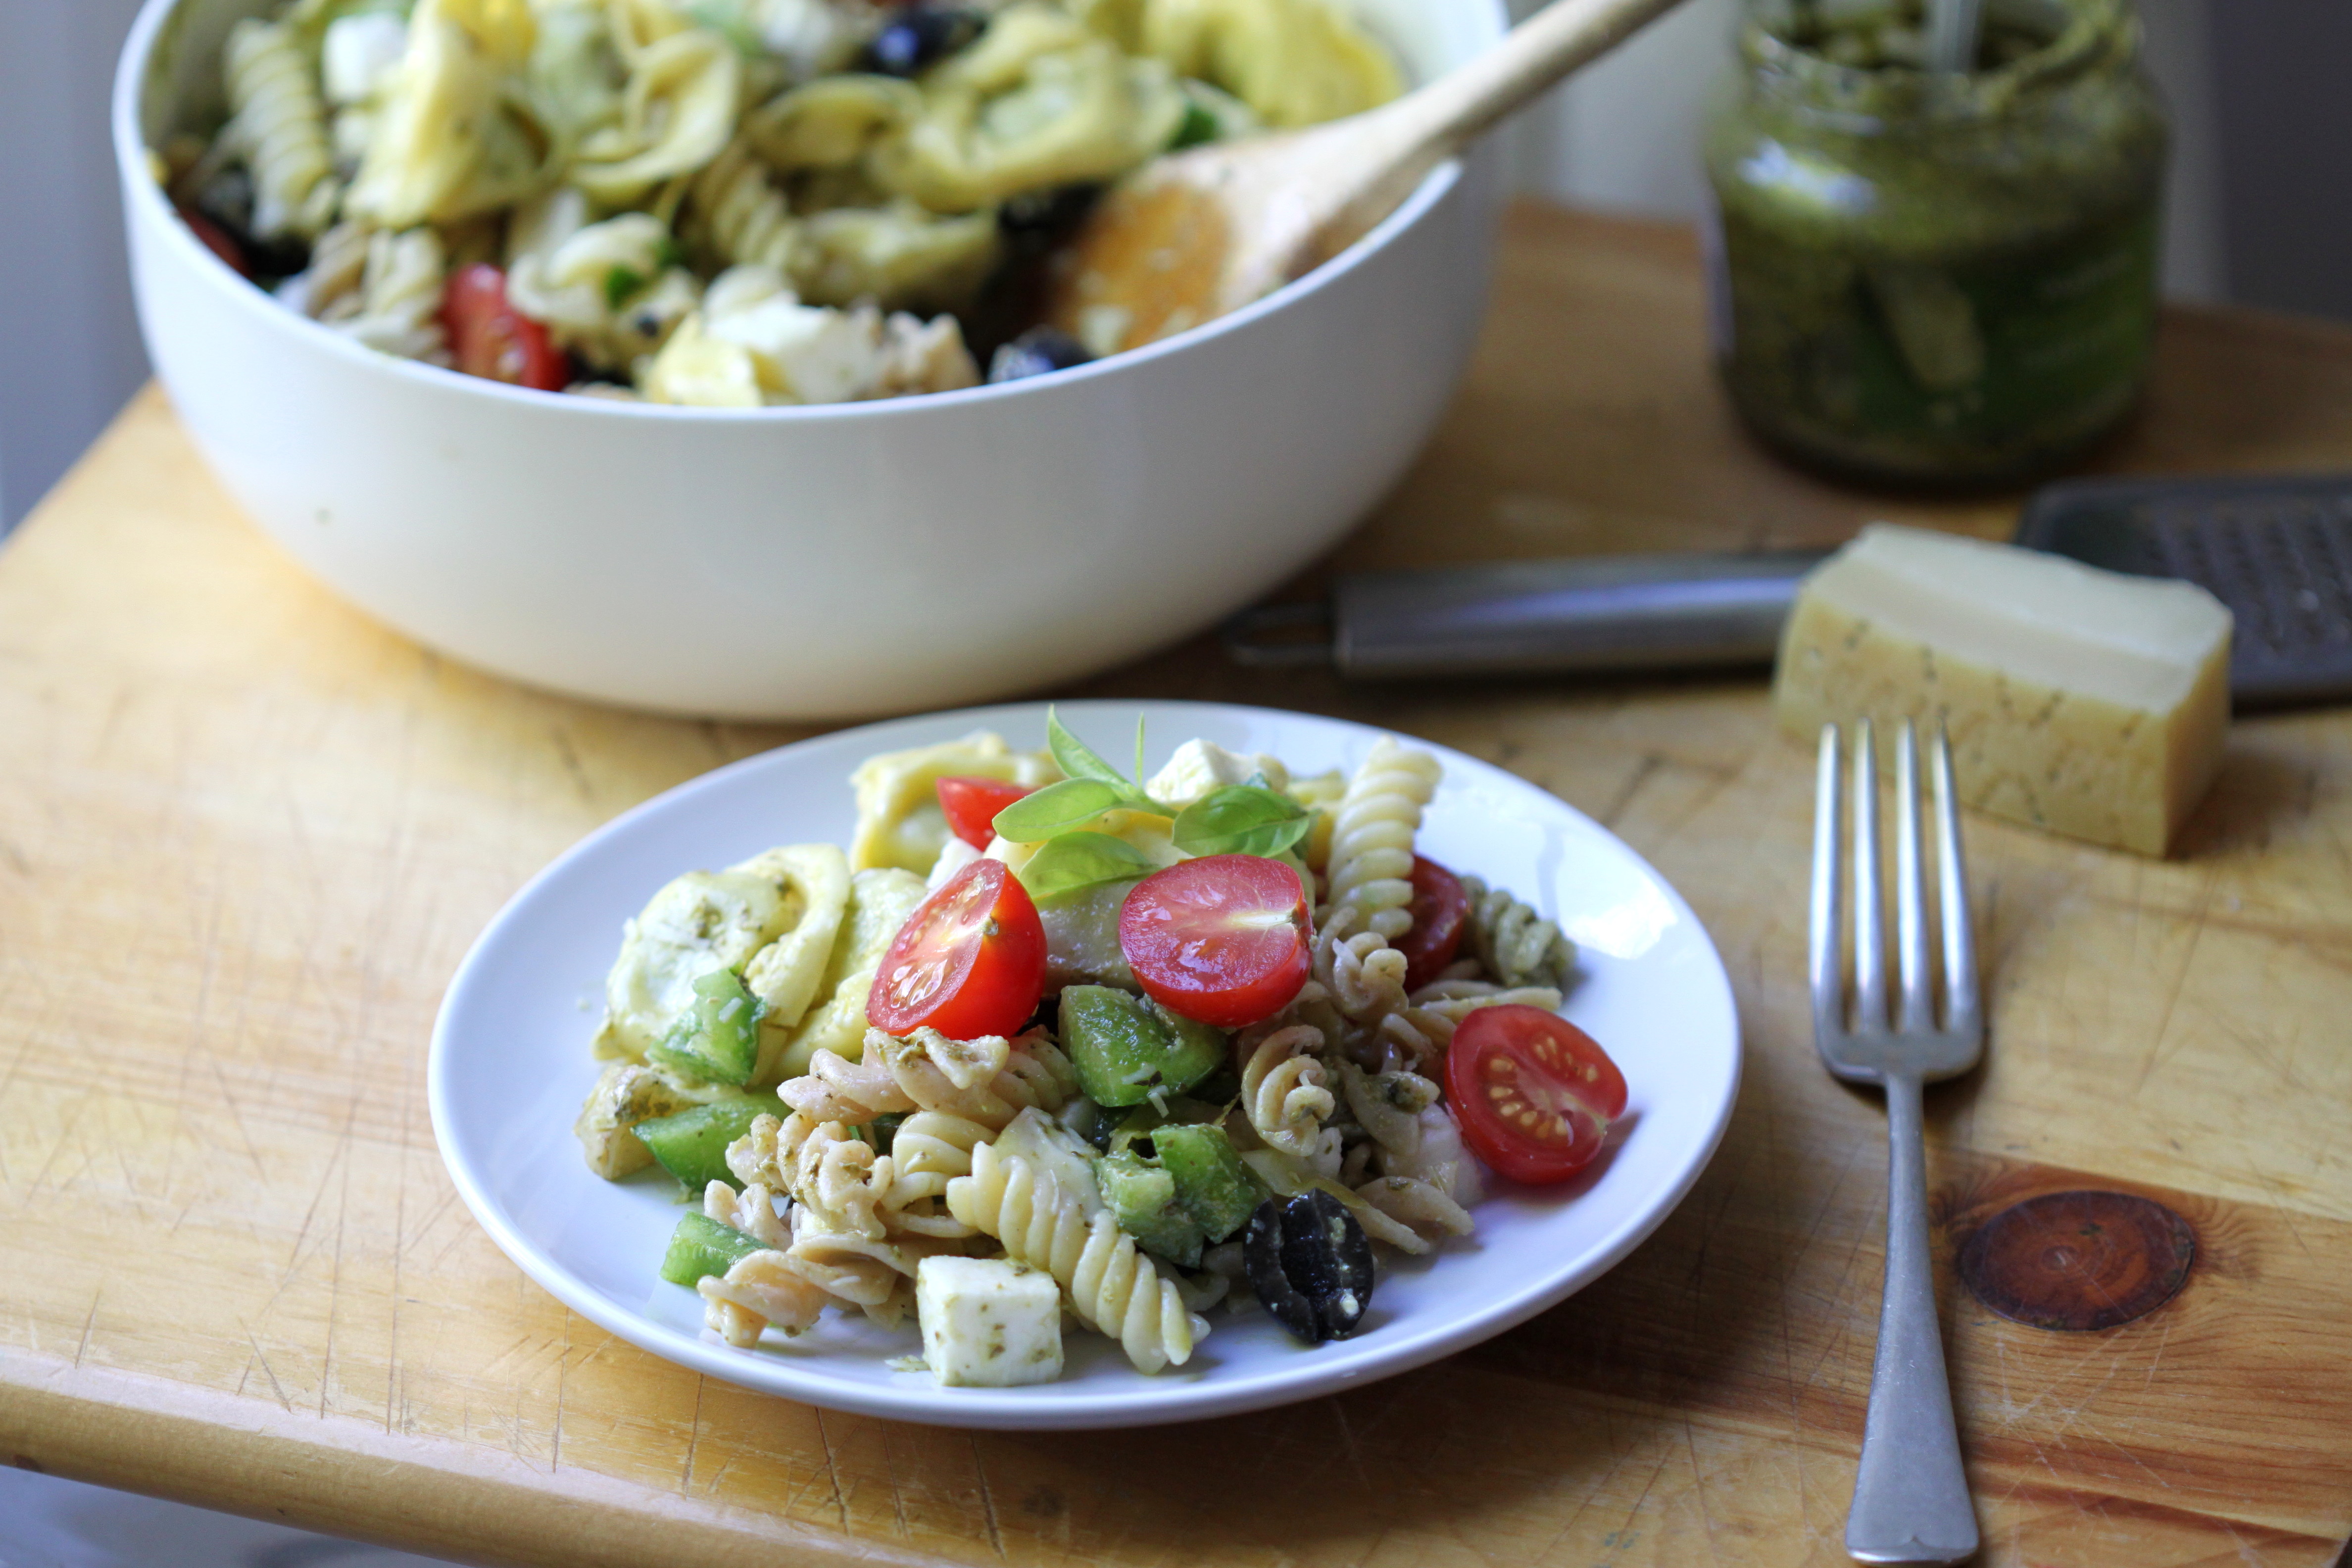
[{"x": 974, "y": 1408}]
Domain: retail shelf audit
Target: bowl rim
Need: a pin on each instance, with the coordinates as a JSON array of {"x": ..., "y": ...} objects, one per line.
[{"x": 144, "y": 198}]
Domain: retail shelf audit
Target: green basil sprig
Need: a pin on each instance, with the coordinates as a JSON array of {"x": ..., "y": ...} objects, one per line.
[
  {"x": 1074, "y": 860},
  {"x": 1081, "y": 761},
  {"x": 1241, "y": 819}
]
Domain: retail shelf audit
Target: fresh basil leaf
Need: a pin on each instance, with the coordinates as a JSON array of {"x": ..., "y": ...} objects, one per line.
[
  {"x": 1080, "y": 761},
  {"x": 622, "y": 284},
  {"x": 1058, "y": 808},
  {"x": 1241, "y": 819},
  {"x": 1074, "y": 860},
  {"x": 1197, "y": 129}
]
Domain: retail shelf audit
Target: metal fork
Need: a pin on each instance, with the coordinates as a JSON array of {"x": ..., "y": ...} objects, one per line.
[{"x": 1910, "y": 1496}]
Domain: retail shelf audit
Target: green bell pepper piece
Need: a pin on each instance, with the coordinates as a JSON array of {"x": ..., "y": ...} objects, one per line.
[
  {"x": 1124, "y": 1046},
  {"x": 692, "y": 1145},
  {"x": 1142, "y": 1198},
  {"x": 718, "y": 1039},
  {"x": 1214, "y": 1188},
  {"x": 701, "y": 1246}
]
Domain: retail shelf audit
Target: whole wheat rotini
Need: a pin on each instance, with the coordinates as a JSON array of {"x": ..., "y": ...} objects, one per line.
[{"x": 1109, "y": 1284}]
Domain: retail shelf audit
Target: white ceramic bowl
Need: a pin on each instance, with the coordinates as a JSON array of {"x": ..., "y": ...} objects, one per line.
[{"x": 825, "y": 561}]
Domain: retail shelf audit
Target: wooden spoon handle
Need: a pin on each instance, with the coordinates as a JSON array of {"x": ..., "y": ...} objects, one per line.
[{"x": 1436, "y": 122}]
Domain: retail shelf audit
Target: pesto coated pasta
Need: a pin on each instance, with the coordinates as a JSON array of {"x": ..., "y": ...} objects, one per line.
[
  {"x": 727, "y": 203},
  {"x": 991, "y": 1149}
]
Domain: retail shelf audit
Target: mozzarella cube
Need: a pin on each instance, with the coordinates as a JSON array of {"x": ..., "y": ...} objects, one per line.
[
  {"x": 988, "y": 1322},
  {"x": 1200, "y": 766},
  {"x": 356, "y": 53}
]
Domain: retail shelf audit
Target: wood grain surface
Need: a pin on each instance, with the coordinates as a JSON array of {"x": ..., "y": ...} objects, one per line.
[{"x": 246, "y": 836}]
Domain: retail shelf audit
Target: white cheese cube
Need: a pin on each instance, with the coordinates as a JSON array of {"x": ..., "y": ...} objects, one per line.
[
  {"x": 1200, "y": 766},
  {"x": 2081, "y": 701},
  {"x": 988, "y": 1322},
  {"x": 356, "y": 52}
]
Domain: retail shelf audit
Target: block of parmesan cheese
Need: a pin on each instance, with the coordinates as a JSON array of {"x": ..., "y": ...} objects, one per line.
[{"x": 2081, "y": 702}]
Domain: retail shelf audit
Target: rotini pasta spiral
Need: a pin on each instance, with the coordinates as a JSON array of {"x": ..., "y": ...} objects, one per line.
[
  {"x": 1422, "y": 1028},
  {"x": 400, "y": 295},
  {"x": 735, "y": 212},
  {"x": 854, "y": 1189},
  {"x": 876, "y": 1275},
  {"x": 764, "y": 1287},
  {"x": 1111, "y": 1286},
  {"x": 1411, "y": 1201},
  {"x": 1285, "y": 1090},
  {"x": 1387, "y": 1105},
  {"x": 1362, "y": 973},
  {"x": 752, "y": 1211},
  {"x": 282, "y": 125},
  {"x": 839, "y": 1178},
  {"x": 989, "y": 1080},
  {"x": 930, "y": 1149},
  {"x": 1517, "y": 946},
  {"x": 1371, "y": 842}
]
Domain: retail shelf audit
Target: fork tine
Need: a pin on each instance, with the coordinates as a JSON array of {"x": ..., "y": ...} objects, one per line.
[
  {"x": 1959, "y": 936},
  {"x": 1828, "y": 920},
  {"x": 1910, "y": 900},
  {"x": 1869, "y": 918}
]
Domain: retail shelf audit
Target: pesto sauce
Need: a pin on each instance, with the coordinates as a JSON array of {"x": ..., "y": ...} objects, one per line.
[{"x": 1935, "y": 279}]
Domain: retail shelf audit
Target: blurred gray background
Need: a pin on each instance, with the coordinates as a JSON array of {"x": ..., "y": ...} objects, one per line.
[
  {"x": 2258, "y": 212},
  {"x": 2261, "y": 214}
]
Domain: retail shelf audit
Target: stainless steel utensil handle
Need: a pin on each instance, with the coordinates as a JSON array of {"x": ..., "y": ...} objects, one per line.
[
  {"x": 1911, "y": 1494},
  {"x": 1627, "y": 612}
]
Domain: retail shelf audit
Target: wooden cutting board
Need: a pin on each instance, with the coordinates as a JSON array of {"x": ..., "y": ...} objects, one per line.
[{"x": 245, "y": 836}]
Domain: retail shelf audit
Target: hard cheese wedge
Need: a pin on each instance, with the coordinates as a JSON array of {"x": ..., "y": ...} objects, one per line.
[{"x": 2081, "y": 702}]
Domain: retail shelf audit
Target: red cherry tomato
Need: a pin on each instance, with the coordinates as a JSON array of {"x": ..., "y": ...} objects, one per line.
[
  {"x": 1440, "y": 910},
  {"x": 972, "y": 806},
  {"x": 971, "y": 960},
  {"x": 1533, "y": 1093},
  {"x": 489, "y": 338},
  {"x": 216, "y": 239},
  {"x": 1224, "y": 940}
]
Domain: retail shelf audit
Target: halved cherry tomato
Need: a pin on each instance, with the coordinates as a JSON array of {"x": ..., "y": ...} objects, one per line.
[
  {"x": 1440, "y": 910},
  {"x": 971, "y": 960},
  {"x": 1224, "y": 940},
  {"x": 972, "y": 806},
  {"x": 1533, "y": 1092},
  {"x": 489, "y": 338}
]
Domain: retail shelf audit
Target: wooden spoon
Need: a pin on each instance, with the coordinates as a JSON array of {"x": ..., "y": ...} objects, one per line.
[{"x": 1191, "y": 236}]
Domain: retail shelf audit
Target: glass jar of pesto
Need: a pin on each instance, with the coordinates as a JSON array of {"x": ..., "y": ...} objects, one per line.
[{"x": 1933, "y": 277}]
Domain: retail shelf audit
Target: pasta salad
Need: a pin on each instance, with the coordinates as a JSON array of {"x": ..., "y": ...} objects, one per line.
[
  {"x": 1050, "y": 1040},
  {"x": 723, "y": 204}
]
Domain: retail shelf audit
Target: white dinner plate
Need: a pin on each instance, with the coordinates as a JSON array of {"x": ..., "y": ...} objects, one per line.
[{"x": 510, "y": 1066}]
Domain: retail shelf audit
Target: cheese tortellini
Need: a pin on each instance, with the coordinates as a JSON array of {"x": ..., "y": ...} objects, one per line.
[
  {"x": 772, "y": 920},
  {"x": 725, "y": 203},
  {"x": 898, "y": 818}
]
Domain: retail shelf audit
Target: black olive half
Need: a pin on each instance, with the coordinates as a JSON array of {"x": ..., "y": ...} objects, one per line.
[
  {"x": 1311, "y": 1264},
  {"x": 1040, "y": 351},
  {"x": 917, "y": 37}
]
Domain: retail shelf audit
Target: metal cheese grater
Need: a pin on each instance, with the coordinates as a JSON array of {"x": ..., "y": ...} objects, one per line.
[{"x": 2277, "y": 551}]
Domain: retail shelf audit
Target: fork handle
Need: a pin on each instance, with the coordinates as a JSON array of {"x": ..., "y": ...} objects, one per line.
[{"x": 1911, "y": 1495}]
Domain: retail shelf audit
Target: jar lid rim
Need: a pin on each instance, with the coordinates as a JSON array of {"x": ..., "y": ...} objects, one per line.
[{"x": 2092, "y": 27}]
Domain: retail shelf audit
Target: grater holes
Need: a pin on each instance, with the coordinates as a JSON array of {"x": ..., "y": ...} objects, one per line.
[{"x": 2281, "y": 563}]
